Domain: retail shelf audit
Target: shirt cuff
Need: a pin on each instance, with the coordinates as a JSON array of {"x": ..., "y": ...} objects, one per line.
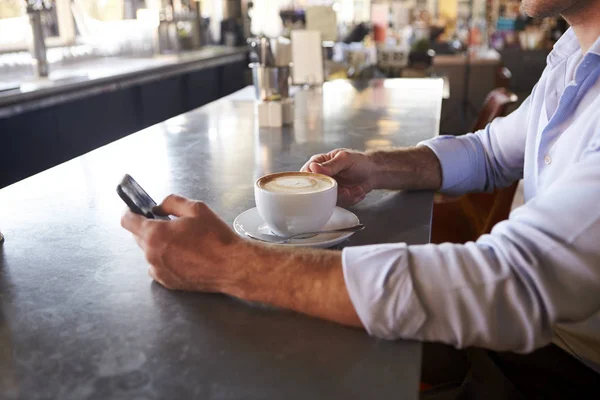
[
  {"x": 379, "y": 283},
  {"x": 458, "y": 159}
]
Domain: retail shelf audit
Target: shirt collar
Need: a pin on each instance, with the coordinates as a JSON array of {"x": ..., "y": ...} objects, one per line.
[
  {"x": 595, "y": 49},
  {"x": 565, "y": 47}
]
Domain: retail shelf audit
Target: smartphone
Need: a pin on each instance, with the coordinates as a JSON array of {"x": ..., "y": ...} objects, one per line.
[{"x": 136, "y": 198}]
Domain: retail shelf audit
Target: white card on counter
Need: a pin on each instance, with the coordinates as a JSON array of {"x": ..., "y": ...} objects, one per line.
[{"x": 307, "y": 57}]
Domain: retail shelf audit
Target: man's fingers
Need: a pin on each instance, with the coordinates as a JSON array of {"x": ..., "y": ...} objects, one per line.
[
  {"x": 133, "y": 222},
  {"x": 334, "y": 166},
  {"x": 349, "y": 201},
  {"x": 306, "y": 167},
  {"x": 319, "y": 169},
  {"x": 357, "y": 191},
  {"x": 161, "y": 277},
  {"x": 319, "y": 158},
  {"x": 358, "y": 199},
  {"x": 349, "y": 196},
  {"x": 140, "y": 242},
  {"x": 179, "y": 206},
  {"x": 159, "y": 212},
  {"x": 165, "y": 277}
]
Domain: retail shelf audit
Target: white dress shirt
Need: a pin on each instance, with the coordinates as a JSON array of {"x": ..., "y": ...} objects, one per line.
[{"x": 536, "y": 277}]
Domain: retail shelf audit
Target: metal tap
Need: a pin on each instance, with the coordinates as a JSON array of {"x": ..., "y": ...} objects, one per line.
[{"x": 35, "y": 8}]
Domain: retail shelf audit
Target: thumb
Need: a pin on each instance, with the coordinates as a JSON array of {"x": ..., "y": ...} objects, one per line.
[
  {"x": 340, "y": 162},
  {"x": 176, "y": 205}
]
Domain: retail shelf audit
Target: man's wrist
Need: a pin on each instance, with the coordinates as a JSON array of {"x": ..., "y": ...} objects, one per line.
[
  {"x": 373, "y": 170},
  {"x": 386, "y": 166},
  {"x": 308, "y": 281},
  {"x": 235, "y": 276},
  {"x": 248, "y": 275},
  {"x": 414, "y": 168}
]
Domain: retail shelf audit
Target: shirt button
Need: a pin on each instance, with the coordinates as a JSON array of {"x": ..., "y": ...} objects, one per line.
[{"x": 547, "y": 160}]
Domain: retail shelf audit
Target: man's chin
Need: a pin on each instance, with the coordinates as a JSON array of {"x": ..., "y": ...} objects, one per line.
[
  {"x": 544, "y": 9},
  {"x": 540, "y": 15},
  {"x": 535, "y": 13}
]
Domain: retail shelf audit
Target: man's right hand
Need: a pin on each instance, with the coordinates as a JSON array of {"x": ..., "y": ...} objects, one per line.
[
  {"x": 352, "y": 170},
  {"x": 357, "y": 173}
]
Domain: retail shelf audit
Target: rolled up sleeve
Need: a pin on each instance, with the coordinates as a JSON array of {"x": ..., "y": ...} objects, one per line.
[
  {"x": 504, "y": 292},
  {"x": 380, "y": 287},
  {"x": 485, "y": 160},
  {"x": 462, "y": 162}
]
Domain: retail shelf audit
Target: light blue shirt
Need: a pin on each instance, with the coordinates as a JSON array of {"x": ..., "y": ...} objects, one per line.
[{"x": 536, "y": 277}]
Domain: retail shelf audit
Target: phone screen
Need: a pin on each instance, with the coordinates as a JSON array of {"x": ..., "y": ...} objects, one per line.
[{"x": 136, "y": 198}]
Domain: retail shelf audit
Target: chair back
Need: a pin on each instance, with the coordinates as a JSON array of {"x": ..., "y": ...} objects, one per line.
[
  {"x": 495, "y": 105},
  {"x": 493, "y": 207},
  {"x": 463, "y": 219}
]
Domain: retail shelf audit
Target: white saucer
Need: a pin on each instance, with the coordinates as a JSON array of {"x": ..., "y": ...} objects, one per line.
[{"x": 250, "y": 221}]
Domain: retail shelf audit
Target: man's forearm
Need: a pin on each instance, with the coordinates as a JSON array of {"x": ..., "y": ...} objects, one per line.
[
  {"x": 414, "y": 168},
  {"x": 304, "y": 280}
]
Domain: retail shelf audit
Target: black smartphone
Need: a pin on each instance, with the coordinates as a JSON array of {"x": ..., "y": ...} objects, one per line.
[{"x": 136, "y": 198}]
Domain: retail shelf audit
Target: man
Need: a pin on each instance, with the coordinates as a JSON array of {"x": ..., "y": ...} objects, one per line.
[{"x": 534, "y": 281}]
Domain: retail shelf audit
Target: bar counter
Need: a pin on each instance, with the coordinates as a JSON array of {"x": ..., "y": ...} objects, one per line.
[
  {"x": 81, "y": 319},
  {"x": 80, "y": 79}
]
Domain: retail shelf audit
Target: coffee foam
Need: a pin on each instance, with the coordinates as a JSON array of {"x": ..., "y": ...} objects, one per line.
[{"x": 297, "y": 183}]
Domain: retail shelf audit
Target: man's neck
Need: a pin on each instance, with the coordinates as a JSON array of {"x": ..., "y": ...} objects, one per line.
[{"x": 584, "y": 17}]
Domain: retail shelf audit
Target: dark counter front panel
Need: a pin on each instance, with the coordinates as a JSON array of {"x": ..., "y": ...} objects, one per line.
[
  {"x": 34, "y": 141},
  {"x": 28, "y": 144}
]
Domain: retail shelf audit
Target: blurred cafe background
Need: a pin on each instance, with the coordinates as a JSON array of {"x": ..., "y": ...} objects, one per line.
[{"x": 78, "y": 74}]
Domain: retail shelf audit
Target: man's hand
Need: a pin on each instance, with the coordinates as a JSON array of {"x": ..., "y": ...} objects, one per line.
[
  {"x": 196, "y": 252},
  {"x": 199, "y": 252},
  {"x": 352, "y": 170},
  {"x": 411, "y": 168}
]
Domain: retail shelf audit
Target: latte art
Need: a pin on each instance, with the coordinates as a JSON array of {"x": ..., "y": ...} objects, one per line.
[{"x": 297, "y": 183}]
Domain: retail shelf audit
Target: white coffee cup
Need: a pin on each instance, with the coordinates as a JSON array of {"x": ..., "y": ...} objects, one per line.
[{"x": 295, "y": 202}]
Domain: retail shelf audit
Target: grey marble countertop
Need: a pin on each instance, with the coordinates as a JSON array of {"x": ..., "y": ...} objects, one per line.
[
  {"x": 90, "y": 76},
  {"x": 81, "y": 319}
]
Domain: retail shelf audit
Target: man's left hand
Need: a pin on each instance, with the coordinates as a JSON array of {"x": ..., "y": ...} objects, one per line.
[{"x": 195, "y": 252}]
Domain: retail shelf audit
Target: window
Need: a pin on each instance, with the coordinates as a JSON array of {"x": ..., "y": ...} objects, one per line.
[
  {"x": 103, "y": 24},
  {"x": 112, "y": 10},
  {"x": 12, "y": 9},
  {"x": 13, "y": 24},
  {"x": 15, "y": 29}
]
